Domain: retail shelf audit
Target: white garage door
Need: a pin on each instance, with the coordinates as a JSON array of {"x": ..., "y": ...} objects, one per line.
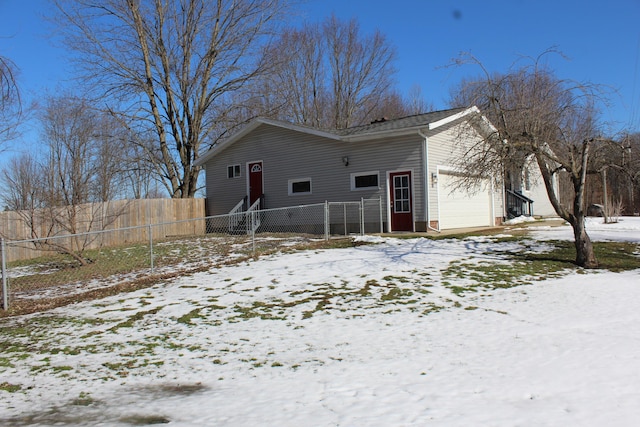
[{"x": 459, "y": 208}]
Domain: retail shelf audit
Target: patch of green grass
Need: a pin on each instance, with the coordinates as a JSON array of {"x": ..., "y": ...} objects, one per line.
[
  {"x": 11, "y": 388},
  {"x": 524, "y": 267},
  {"x": 83, "y": 399},
  {"x": 133, "y": 319},
  {"x": 193, "y": 314},
  {"x": 58, "y": 369},
  {"x": 71, "y": 351},
  {"x": 24, "y": 339},
  {"x": 612, "y": 256},
  {"x": 431, "y": 307},
  {"x": 460, "y": 290},
  {"x": 5, "y": 362},
  {"x": 393, "y": 279},
  {"x": 145, "y": 420},
  {"x": 257, "y": 310},
  {"x": 124, "y": 368},
  {"x": 396, "y": 294}
]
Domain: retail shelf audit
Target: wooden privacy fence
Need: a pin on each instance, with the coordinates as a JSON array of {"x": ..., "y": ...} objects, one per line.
[{"x": 121, "y": 216}]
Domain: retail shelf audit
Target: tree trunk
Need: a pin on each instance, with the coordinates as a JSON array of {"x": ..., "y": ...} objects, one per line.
[{"x": 585, "y": 257}]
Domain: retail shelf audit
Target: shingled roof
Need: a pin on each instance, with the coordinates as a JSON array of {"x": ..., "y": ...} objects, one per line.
[{"x": 409, "y": 122}]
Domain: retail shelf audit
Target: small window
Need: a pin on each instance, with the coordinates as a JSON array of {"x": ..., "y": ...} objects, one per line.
[
  {"x": 364, "y": 181},
  {"x": 299, "y": 186},
  {"x": 233, "y": 171}
]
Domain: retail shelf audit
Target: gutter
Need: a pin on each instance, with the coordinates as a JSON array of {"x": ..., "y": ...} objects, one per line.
[{"x": 425, "y": 180}]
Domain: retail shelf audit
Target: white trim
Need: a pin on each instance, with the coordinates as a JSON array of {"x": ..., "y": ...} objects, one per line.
[
  {"x": 352, "y": 180},
  {"x": 427, "y": 183},
  {"x": 453, "y": 117},
  {"x": 296, "y": 180}
]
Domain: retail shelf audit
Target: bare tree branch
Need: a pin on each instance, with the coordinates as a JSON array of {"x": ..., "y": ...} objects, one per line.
[
  {"x": 537, "y": 115},
  {"x": 172, "y": 65},
  {"x": 10, "y": 104}
]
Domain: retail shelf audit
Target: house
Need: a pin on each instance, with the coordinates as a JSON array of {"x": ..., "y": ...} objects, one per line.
[
  {"x": 523, "y": 185},
  {"x": 406, "y": 162}
]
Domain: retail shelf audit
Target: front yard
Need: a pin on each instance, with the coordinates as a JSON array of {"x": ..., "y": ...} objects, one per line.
[{"x": 480, "y": 330}]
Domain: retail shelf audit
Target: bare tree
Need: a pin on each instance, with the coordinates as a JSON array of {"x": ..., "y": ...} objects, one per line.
[
  {"x": 22, "y": 180},
  {"x": 329, "y": 75},
  {"x": 534, "y": 113},
  {"x": 416, "y": 103},
  {"x": 361, "y": 70},
  {"x": 393, "y": 105},
  {"x": 10, "y": 106},
  {"x": 66, "y": 191},
  {"x": 618, "y": 163},
  {"x": 297, "y": 89},
  {"x": 631, "y": 168},
  {"x": 171, "y": 64}
]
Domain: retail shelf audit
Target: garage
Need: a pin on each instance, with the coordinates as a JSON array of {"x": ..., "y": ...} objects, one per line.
[{"x": 459, "y": 209}]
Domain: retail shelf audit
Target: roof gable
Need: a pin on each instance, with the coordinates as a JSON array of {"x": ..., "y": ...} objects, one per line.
[{"x": 374, "y": 130}]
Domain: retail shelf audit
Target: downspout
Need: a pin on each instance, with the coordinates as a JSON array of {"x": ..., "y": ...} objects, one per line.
[
  {"x": 504, "y": 196},
  {"x": 493, "y": 203},
  {"x": 425, "y": 180}
]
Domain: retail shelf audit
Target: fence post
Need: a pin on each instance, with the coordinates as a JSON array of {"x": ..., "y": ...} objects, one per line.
[
  {"x": 5, "y": 291},
  {"x": 344, "y": 218},
  {"x": 326, "y": 220},
  {"x": 253, "y": 233},
  {"x": 151, "y": 247},
  {"x": 362, "y": 216},
  {"x": 380, "y": 212}
]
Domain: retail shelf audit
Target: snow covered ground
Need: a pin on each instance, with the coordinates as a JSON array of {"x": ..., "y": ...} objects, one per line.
[{"x": 369, "y": 336}]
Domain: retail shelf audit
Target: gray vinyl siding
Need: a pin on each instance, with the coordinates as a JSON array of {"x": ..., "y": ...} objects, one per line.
[{"x": 288, "y": 154}]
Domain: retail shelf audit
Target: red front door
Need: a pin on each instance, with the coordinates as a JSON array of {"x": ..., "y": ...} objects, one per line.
[
  {"x": 255, "y": 181},
  {"x": 401, "y": 201}
]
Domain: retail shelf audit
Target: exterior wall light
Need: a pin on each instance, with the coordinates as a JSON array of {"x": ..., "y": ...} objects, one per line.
[{"x": 345, "y": 161}]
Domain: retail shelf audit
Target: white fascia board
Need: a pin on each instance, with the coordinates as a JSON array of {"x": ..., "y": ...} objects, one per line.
[
  {"x": 454, "y": 117},
  {"x": 415, "y": 129}
]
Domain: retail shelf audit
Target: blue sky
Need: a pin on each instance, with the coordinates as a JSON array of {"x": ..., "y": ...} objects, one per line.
[{"x": 600, "y": 39}]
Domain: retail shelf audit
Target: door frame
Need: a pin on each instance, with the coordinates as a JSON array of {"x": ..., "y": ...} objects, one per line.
[
  {"x": 248, "y": 180},
  {"x": 411, "y": 173}
]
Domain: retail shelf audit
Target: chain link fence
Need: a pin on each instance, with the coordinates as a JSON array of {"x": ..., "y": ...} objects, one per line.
[{"x": 46, "y": 272}]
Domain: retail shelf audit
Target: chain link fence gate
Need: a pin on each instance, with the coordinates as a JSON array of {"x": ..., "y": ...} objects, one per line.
[{"x": 62, "y": 268}]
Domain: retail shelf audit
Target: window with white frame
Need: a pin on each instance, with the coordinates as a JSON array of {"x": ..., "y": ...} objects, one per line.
[
  {"x": 299, "y": 186},
  {"x": 365, "y": 180},
  {"x": 233, "y": 171}
]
